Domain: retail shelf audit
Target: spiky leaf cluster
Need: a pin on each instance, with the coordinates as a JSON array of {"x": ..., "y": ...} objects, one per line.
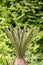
[{"x": 20, "y": 39}]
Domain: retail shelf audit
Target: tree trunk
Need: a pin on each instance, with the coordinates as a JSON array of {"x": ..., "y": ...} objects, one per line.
[{"x": 20, "y": 61}]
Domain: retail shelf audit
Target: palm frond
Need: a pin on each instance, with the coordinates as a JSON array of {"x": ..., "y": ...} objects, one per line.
[
  {"x": 19, "y": 33},
  {"x": 13, "y": 39},
  {"x": 22, "y": 39},
  {"x": 31, "y": 34},
  {"x": 23, "y": 36},
  {"x": 9, "y": 34},
  {"x": 28, "y": 39}
]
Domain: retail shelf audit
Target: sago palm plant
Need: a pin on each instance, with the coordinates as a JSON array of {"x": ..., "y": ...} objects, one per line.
[{"x": 20, "y": 39}]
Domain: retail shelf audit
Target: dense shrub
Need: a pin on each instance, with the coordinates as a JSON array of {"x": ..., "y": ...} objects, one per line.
[{"x": 21, "y": 13}]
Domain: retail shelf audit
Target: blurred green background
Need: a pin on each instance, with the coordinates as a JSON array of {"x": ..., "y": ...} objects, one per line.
[{"x": 20, "y": 13}]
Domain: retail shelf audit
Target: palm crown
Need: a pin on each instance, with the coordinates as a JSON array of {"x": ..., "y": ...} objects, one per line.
[{"x": 20, "y": 39}]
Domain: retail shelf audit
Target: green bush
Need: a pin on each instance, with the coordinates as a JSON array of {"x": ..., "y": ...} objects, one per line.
[{"x": 20, "y": 13}]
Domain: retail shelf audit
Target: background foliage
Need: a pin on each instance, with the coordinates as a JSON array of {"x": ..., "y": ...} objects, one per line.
[{"x": 21, "y": 13}]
